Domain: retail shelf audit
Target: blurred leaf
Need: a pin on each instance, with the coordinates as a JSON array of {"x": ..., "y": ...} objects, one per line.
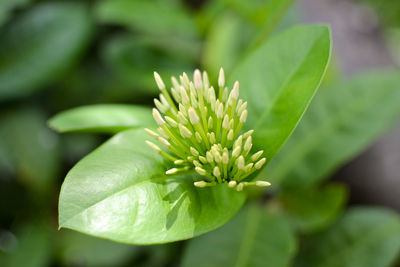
[
  {"x": 84, "y": 250},
  {"x": 313, "y": 209},
  {"x": 39, "y": 45},
  {"x": 363, "y": 237},
  {"x": 106, "y": 118},
  {"x": 31, "y": 147},
  {"x": 224, "y": 43},
  {"x": 264, "y": 15},
  {"x": 342, "y": 121},
  {"x": 33, "y": 248},
  {"x": 231, "y": 37},
  {"x": 166, "y": 18},
  {"x": 120, "y": 192},
  {"x": 261, "y": 13},
  {"x": 134, "y": 59},
  {"x": 7, "y": 6},
  {"x": 279, "y": 80},
  {"x": 254, "y": 237}
]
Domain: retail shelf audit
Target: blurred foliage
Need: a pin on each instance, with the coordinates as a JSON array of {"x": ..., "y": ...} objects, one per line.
[{"x": 56, "y": 55}]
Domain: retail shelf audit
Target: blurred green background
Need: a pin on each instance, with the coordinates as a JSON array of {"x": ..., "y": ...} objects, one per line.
[{"x": 57, "y": 55}]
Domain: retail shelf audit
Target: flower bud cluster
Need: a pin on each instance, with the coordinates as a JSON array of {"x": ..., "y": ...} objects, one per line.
[{"x": 200, "y": 128}]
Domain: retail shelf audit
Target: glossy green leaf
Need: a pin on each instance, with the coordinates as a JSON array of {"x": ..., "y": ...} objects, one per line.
[
  {"x": 83, "y": 250},
  {"x": 342, "y": 121},
  {"x": 155, "y": 17},
  {"x": 32, "y": 247},
  {"x": 107, "y": 118},
  {"x": 39, "y": 45},
  {"x": 279, "y": 80},
  {"x": 30, "y": 150},
  {"x": 120, "y": 192},
  {"x": 313, "y": 209},
  {"x": 363, "y": 237},
  {"x": 254, "y": 237}
]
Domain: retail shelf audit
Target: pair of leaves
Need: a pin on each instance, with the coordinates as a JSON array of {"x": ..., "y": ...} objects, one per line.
[
  {"x": 342, "y": 120},
  {"x": 120, "y": 191},
  {"x": 39, "y": 45}
]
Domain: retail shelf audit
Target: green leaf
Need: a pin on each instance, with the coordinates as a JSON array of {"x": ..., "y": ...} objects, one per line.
[
  {"x": 279, "y": 80},
  {"x": 155, "y": 17},
  {"x": 84, "y": 250},
  {"x": 30, "y": 150},
  {"x": 224, "y": 43},
  {"x": 133, "y": 59},
  {"x": 120, "y": 192},
  {"x": 341, "y": 122},
  {"x": 313, "y": 209},
  {"x": 106, "y": 118},
  {"x": 32, "y": 247},
  {"x": 39, "y": 45},
  {"x": 364, "y": 237},
  {"x": 254, "y": 237},
  {"x": 7, "y": 6}
]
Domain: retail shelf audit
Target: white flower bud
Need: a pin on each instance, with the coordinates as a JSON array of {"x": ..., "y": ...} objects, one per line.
[
  {"x": 159, "y": 81},
  {"x": 210, "y": 123},
  {"x": 248, "y": 144},
  {"x": 153, "y": 146},
  {"x": 198, "y": 84},
  {"x": 193, "y": 117},
  {"x": 164, "y": 141},
  {"x": 194, "y": 151},
  {"x": 262, "y": 183},
  {"x": 260, "y": 163},
  {"x": 151, "y": 133},
  {"x": 200, "y": 184},
  {"x": 185, "y": 132},
  {"x": 198, "y": 137},
  {"x": 171, "y": 121},
  {"x": 225, "y": 122},
  {"x": 200, "y": 171},
  {"x": 230, "y": 135},
  {"x": 203, "y": 159},
  {"x": 240, "y": 163},
  {"x": 236, "y": 151},
  {"x": 171, "y": 171},
  {"x": 157, "y": 117},
  {"x": 243, "y": 117},
  {"x": 216, "y": 171},
  {"x": 221, "y": 78},
  {"x": 257, "y": 155},
  {"x": 232, "y": 184},
  {"x": 184, "y": 96}
]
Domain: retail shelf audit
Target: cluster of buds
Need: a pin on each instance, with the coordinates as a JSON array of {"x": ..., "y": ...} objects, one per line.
[{"x": 201, "y": 131}]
